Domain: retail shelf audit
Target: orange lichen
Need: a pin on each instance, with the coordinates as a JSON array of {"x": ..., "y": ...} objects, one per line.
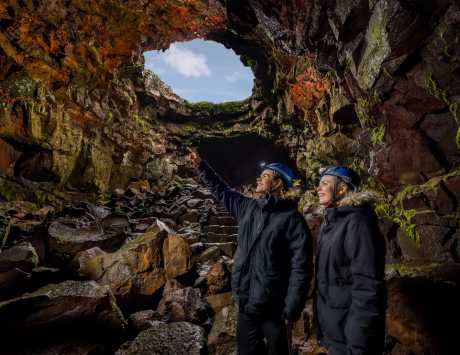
[
  {"x": 104, "y": 33},
  {"x": 308, "y": 89}
]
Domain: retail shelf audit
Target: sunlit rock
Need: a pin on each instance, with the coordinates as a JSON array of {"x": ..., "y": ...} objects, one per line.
[
  {"x": 177, "y": 256},
  {"x": 135, "y": 269}
]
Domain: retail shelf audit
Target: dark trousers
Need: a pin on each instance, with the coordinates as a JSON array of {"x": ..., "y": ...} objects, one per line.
[{"x": 251, "y": 331}]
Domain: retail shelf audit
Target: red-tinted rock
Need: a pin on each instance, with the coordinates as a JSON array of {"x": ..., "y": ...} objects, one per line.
[
  {"x": 420, "y": 315},
  {"x": 430, "y": 248},
  {"x": 218, "y": 278},
  {"x": 441, "y": 128},
  {"x": 177, "y": 256},
  {"x": 219, "y": 301},
  {"x": 8, "y": 156},
  {"x": 403, "y": 163},
  {"x": 453, "y": 185},
  {"x": 440, "y": 199}
]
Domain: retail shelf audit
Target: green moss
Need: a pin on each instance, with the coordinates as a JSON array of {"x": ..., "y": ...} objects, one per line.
[
  {"x": 436, "y": 91},
  {"x": 433, "y": 88},
  {"x": 391, "y": 208},
  {"x": 408, "y": 269},
  {"x": 457, "y": 138},
  {"x": 378, "y": 134},
  {"x": 362, "y": 109},
  {"x": 229, "y": 106}
]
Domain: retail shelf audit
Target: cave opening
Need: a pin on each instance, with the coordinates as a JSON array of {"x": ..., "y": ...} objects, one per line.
[
  {"x": 237, "y": 159},
  {"x": 202, "y": 71}
]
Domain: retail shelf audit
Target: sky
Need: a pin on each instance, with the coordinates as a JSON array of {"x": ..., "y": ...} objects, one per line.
[{"x": 202, "y": 70}]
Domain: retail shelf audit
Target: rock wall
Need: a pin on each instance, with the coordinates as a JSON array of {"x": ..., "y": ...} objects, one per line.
[{"x": 370, "y": 84}]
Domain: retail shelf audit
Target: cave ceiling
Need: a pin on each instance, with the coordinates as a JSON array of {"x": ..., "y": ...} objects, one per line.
[{"x": 335, "y": 81}]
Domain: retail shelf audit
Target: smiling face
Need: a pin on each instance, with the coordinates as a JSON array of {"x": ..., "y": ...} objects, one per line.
[
  {"x": 265, "y": 183},
  {"x": 325, "y": 190}
]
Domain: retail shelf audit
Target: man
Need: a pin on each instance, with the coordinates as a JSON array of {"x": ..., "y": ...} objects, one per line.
[
  {"x": 350, "y": 259},
  {"x": 270, "y": 277}
]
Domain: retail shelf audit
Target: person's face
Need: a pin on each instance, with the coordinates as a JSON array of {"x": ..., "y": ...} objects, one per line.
[
  {"x": 325, "y": 190},
  {"x": 264, "y": 181}
]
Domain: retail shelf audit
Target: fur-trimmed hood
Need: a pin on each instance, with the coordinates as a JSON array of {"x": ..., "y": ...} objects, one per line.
[{"x": 359, "y": 198}]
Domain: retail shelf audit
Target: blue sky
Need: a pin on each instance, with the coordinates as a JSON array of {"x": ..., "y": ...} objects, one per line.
[{"x": 202, "y": 71}]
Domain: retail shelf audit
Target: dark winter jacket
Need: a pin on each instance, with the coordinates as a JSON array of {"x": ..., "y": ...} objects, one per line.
[
  {"x": 350, "y": 291},
  {"x": 271, "y": 264}
]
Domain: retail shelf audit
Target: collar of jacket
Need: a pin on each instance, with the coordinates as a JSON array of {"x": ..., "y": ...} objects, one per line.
[
  {"x": 271, "y": 202},
  {"x": 350, "y": 203}
]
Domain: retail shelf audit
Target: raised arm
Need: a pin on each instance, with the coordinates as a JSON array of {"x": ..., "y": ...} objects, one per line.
[{"x": 233, "y": 201}]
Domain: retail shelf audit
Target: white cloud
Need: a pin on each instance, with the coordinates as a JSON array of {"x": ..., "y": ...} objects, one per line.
[
  {"x": 186, "y": 62},
  {"x": 234, "y": 77}
]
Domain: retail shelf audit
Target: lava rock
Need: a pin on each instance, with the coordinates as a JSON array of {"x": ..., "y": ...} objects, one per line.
[
  {"x": 183, "y": 304},
  {"x": 167, "y": 339},
  {"x": 63, "y": 304},
  {"x": 135, "y": 269},
  {"x": 222, "y": 338},
  {"x": 177, "y": 256}
]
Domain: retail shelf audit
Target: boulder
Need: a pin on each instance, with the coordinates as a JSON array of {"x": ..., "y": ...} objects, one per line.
[
  {"x": 191, "y": 216},
  {"x": 441, "y": 129},
  {"x": 452, "y": 183},
  {"x": 222, "y": 337},
  {"x": 219, "y": 301},
  {"x": 183, "y": 304},
  {"x": 430, "y": 248},
  {"x": 177, "y": 256},
  {"x": 68, "y": 237},
  {"x": 63, "y": 304},
  {"x": 135, "y": 269},
  {"x": 83, "y": 257},
  {"x": 218, "y": 278},
  {"x": 16, "y": 264},
  {"x": 142, "y": 320},
  {"x": 167, "y": 339},
  {"x": 421, "y": 312},
  {"x": 401, "y": 163},
  {"x": 211, "y": 254}
]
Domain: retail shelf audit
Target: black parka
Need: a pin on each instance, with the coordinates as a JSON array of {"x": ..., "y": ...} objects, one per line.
[
  {"x": 271, "y": 270},
  {"x": 350, "y": 293}
]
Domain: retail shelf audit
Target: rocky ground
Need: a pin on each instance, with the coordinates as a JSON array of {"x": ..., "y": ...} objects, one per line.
[
  {"x": 110, "y": 245},
  {"x": 148, "y": 271}
]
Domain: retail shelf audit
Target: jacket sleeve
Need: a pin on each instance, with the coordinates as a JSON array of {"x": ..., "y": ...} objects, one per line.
[
  {"x": 233, "y": 201},
  {"x": 299, "y": 241},
  {"x": 364, "y": 247}
]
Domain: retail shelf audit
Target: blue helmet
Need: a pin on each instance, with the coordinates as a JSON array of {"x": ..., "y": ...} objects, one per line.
[
  {"x": 284, "y": 171},
  {"x": 349, "y": 176}
]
